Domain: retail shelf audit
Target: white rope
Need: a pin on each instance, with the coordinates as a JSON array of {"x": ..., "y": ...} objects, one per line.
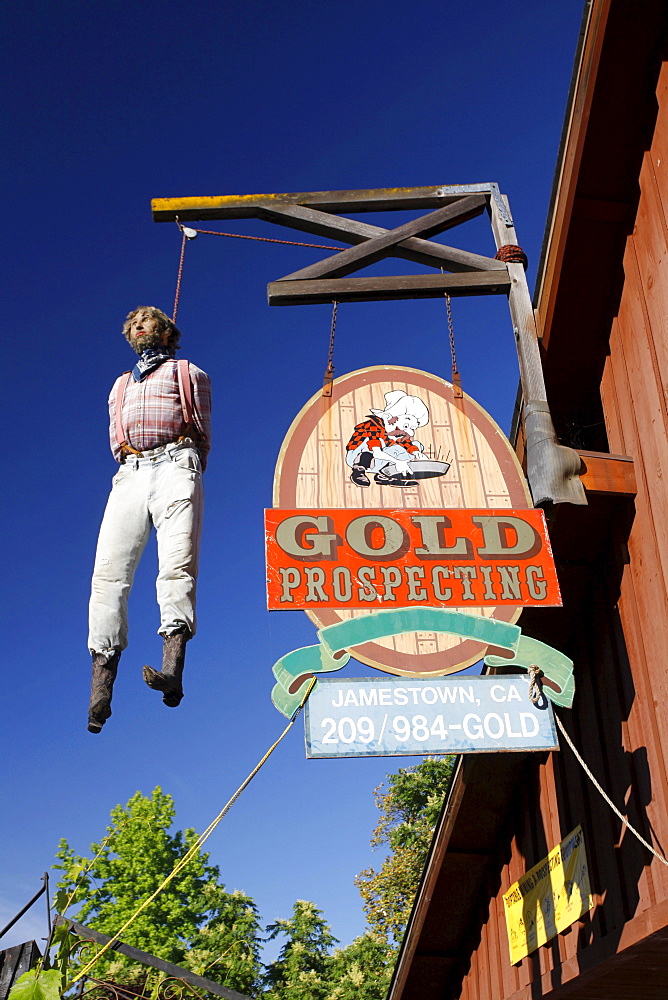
[
  {"x": 605, "y": 796},
  {"x": 535, "y": 689}
]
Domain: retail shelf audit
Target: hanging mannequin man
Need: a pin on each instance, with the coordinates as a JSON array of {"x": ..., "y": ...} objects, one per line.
[{"x": 159, "y": 428}]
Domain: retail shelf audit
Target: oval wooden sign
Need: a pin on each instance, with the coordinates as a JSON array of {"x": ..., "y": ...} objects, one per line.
[{"x": 314, "y": 471}]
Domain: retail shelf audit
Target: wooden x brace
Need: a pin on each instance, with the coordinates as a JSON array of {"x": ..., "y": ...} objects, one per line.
[{"x": 320, "y": 282}]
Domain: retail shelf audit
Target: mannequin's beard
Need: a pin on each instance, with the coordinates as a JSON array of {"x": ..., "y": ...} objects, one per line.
[{"x": 148, "y": 341}]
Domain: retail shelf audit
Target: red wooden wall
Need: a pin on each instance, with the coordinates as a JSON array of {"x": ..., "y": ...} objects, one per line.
[{"x": 615, "y": 626}]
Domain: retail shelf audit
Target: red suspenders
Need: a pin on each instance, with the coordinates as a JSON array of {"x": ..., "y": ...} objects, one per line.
[
  {"x": 185, "y": 391},
  {"x": 120, "y": 433}
]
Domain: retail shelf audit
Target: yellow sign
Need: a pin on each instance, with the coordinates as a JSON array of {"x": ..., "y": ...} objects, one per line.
[{"x": 549, "y": 898}]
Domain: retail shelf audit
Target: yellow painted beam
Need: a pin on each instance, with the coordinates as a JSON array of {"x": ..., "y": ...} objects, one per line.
[{"x": 244, "y": 206}]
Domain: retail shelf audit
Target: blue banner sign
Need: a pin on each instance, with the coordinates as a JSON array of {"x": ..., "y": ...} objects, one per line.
[{"x": 403, "y": 716}]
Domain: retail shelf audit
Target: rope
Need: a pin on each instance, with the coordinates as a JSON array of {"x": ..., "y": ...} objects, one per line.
[
  {"x": 329, "y": 370},
  {"x": 599, "y": 789},
  {"x": 535, "y": 686},
  {"x": 192, "y": 851},
  {"x": 535, "y": 694},
  {"x": 266, "y": 239},
  {"x": 184, "y": 240},
  {"x": 510, "y": 253}
]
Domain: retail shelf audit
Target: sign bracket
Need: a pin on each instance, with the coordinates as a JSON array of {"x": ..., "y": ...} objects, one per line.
[{"x": 552, "y": 469}]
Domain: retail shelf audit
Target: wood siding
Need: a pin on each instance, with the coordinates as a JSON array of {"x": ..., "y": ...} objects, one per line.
[
  {"x": 615, "y": 625},
  {"x": 602, "y": 316}
]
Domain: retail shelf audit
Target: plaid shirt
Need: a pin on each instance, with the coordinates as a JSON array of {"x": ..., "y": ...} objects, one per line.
[
  {"x": 152, "y": 412},
  {"x": 372, "y": 432}
]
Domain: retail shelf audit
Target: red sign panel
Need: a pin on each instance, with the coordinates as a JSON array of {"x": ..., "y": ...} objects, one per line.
[{"x": 371, "y": 559}]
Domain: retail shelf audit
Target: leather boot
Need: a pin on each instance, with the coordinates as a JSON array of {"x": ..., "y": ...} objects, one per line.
[
  {"x": 169, "y": 679},
  {"x": 359, "y": 476},
  {"x": 105, "y": 669}
]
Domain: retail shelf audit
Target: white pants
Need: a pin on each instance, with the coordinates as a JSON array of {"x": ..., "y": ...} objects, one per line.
[
  {"x": 165, "y": 491},
  {"x": 395, "y": 450}
]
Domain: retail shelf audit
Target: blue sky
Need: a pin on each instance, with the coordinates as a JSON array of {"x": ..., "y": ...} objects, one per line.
[{"x": 114, "y": 103}]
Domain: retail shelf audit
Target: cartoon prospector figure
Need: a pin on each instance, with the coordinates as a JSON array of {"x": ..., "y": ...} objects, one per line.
[
  {"x": 385, "y": 438},
  {"x": 159, "y": 428}
]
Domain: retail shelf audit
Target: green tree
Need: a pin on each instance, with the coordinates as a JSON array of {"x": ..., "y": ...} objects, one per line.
[
  {"x": 301, "y": 971},
  {"x": 409, "y": 809},
  {"x": 192, "y": 922},
  {"x": 361, "y": 971},
  {"x": 227, "y": 948}
]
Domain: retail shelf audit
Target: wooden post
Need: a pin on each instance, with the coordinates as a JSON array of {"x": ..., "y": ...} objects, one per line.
[{"x": 552, "y": 469}]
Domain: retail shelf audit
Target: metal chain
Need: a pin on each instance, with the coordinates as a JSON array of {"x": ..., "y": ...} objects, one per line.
[
  {"x": 599, "y": 789},
  {"x": 456, "y": 377},
  {"x": 267, "y": 239},
  {"x": 329, "y": 370}
]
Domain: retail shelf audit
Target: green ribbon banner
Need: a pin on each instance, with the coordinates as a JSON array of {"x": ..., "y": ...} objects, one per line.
[{"x": 294, "y": 670}]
